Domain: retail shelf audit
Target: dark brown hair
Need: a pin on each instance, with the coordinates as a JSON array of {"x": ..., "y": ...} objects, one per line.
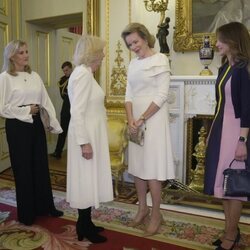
[{"x": 237, "y": 37}]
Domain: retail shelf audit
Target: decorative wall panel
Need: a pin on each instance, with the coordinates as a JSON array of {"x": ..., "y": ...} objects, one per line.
[
  {"x": 117, "y": 55},
  {"x": 4, "y": 7},
  {"x": 68, "y": 47},
  {"x": 43, "y": 56},
  {"x": 4, "y": 34}
]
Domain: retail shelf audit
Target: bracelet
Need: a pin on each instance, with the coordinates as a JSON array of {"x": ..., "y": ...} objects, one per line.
[{"x": 142, "y": 117}]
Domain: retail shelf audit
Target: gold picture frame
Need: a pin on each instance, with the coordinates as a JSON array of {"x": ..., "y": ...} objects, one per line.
[
  {"x": 93, "y": 15},
  {"x": 184, "y": 37}
]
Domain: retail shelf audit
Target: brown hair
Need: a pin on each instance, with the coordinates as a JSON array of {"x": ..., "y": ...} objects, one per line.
[
  {"x": 141, "y": 30},
  {"x": 237, "y": 37},
  {"x": 10, "y": 50}
]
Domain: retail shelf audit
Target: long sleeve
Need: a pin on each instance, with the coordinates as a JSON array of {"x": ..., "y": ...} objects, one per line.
[
  {"x": 79, "y": 90},
  {"x": 12, "y": 106},
  {"x": 244, "y": 98},
  {"x": 163, "y": 81},
  {"x": 128, "y": 95},
  {"x": 47, "y": 104}
]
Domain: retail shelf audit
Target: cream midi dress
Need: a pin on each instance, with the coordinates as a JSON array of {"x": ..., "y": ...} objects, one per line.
[
  {"x": 148, "y": 81},
  {"x": 89, "y": 182}
]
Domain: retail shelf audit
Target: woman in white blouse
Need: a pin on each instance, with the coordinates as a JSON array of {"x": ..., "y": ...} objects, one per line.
[
  {"x": 89, "y": 179},
  {"x": 146, "y": 106},
  {"x": 21, "y": 93}
]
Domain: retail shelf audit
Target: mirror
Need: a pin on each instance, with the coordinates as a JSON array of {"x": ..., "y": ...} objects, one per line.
[{"x": 197, "y": 18}]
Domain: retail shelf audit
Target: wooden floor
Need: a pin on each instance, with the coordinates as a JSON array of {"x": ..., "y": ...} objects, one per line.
[{"x": 58, "y": 164}]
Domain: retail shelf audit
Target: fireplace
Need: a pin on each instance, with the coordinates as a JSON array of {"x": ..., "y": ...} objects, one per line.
[
  {"x": 192, "y": 108},
  {"x": 194, "y": 125}
]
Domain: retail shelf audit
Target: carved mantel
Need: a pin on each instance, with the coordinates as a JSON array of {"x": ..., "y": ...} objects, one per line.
[
  {"x": 199, "y": 94},
  {"x": 193, "y": 96}
]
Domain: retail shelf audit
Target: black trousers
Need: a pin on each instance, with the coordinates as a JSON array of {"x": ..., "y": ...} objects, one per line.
[
  {"x": 65, "y": 118},
  {"x": 29, "y": 161}
]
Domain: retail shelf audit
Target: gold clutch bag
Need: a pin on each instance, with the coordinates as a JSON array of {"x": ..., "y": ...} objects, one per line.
[{"x": 138, "y": 137}]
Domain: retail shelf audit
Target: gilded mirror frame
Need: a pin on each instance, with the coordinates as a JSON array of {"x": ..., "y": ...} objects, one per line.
[
  {"x": 184, "y": 38},
  {"x": 93, "y": 14}
]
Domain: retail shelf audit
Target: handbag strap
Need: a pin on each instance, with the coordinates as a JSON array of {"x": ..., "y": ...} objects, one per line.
[{"x": 246, "y": 167}]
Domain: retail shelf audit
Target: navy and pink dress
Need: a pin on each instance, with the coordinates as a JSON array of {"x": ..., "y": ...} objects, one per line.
[{"x": 232, "y": 113}]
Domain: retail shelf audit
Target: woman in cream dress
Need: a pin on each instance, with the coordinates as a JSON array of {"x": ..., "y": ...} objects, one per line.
[
  {"x": 146, "y": 106},
  {"x": 89, "y": 179}
]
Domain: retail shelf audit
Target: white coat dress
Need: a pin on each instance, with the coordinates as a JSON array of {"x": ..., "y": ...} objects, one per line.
[
  {"x": 148, "y": 81},
  {"x": 89, "y": 182}
]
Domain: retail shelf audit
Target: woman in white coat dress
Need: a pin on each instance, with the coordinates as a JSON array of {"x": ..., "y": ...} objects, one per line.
[
  {"x": 146, "y": 105},
  {"x": 89, "y": 179}
]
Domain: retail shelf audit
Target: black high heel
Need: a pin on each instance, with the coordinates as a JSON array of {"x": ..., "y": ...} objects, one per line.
[
  {"x": 235, "y": 242},
  {"x": 97, "y": 228},
  {"x": 79, "y": 231},
  {"x": 85, "y": 228},
  {"x": 219, "y": 241},
  {"x": 89, "y": 233},
  {"x": 231, "y": 248},
  {"x": 56, "y": 213}
]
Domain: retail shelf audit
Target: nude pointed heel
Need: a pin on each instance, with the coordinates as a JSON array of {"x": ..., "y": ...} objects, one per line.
[
  {"x": 148, "y": 233},
  {"x": 134, "y": 223}
]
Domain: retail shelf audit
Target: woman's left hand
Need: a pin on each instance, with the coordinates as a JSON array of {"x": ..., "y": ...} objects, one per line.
[
  {"x": 241, "y": 151},
  {"x": 87, "y": 151},
  {"x": 139, "y": 122}
]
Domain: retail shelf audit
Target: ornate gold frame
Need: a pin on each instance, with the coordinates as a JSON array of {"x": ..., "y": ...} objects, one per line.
[
  {"x": 184, "y": 38},
  {"x": 93, "y": 14}
]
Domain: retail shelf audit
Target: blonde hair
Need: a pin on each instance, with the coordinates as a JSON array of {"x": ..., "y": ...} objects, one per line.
[
  {"x": 88, "y": 49},
  {"x": 141, "y": 30},
  {"x": 11, "y": 49}
]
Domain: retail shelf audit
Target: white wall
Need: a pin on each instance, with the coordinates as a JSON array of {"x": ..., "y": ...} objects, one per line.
[{"x": 38, "y": 9}]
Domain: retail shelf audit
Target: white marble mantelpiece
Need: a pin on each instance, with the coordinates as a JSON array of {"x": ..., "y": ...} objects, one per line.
[
  {"x": 191, "y": 96},
  {"x": 199, "y": 94}
]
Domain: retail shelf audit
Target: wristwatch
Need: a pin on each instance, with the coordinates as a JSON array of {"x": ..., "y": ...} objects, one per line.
[{"x": 242, "y": 139}]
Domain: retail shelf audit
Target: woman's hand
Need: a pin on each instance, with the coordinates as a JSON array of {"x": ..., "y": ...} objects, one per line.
[
  {"x": 241, "y": 151},
  {"x": 34, "y": 109},
  {"x": 132, "y": 126},
  {"x": 87, "y": 151},
  {"x": 139, "y": 123}
]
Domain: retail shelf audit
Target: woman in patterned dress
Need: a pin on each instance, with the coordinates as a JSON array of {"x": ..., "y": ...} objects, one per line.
[{"x": 230, "y": 129}]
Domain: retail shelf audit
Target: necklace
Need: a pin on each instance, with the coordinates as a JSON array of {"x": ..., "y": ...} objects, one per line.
[{"x": 23, "y": 75}]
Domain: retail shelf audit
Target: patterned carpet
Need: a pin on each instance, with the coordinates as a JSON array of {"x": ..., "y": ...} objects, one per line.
[
  {"x": 58, "y": 180},
  {"x": 181, "y": 229}
]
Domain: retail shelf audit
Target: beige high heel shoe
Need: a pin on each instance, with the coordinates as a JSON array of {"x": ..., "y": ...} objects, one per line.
[
  {"x": 148, "y": 232},
  {"x": 134, "y": 223}
]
